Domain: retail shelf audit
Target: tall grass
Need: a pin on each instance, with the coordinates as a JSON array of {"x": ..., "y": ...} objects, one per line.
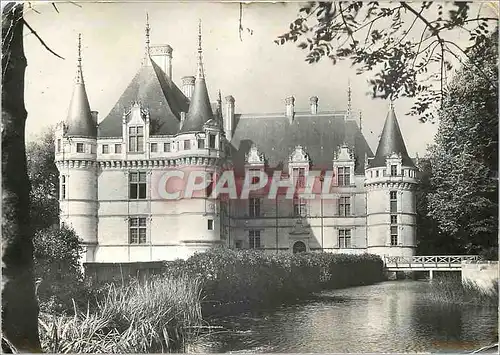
[
  {"x": 451, "y": 290},
  {"x": 158, "y": 315}
]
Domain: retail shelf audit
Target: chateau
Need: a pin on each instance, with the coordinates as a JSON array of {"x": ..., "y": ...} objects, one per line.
[{"x": 111, "y": 173}]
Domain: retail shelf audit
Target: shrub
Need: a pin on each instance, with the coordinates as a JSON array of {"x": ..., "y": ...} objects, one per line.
[
  {"x": 60, "y": 279},
  {"x": 158, "y": 315},
  {"x": 250, "y": 276}
]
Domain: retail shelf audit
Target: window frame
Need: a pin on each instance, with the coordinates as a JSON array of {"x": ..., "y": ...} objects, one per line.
[
  {"x": 118, "y": 148},
  {"x": 394, "y": 170},
  {"x": 140, "y": 187},
  {"x": 59, "y": 144},
  {"x": 141, "y": 225},
  {"x": 212, "y": 138},
  {"x": 136, "y": 139},
  {"x": 210, "y": 224},
  {"x": 394, "y": 235},
  {"x": 155, "y": 149},
  {"x": 64, "y": 183},
  {"x": 254, "y": 204},
  {"x": 345, "y": 206},
  {"x": 254, "y": 239},
  {"x": 78, "y": 146},
  {"x": 202, "y": 141},
  {"x": 300, "y": 207},
  {"x": 344, "y": 176},
  {"x": 345, "y": 238},
  {"x": 105, "y": 149},
  {"x": 165, "y": 149},
  {"x": 393, "y": 201}
]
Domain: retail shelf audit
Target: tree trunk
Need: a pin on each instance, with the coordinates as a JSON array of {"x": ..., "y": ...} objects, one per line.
[{"x": 19, "y": 304}]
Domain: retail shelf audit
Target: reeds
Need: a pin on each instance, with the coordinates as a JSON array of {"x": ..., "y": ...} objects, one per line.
[
  {"x": 157, "y": 315},
  {"x": 451, "y": 290}
]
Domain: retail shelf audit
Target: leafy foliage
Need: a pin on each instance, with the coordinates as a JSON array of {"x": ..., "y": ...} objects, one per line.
[
  {"x": 56, "y": 256},
  {"x": 402, "y": 42},
  {"x": 464, "y": 197},
  {"x": 254, "y": 277},
  {"x": 44, "y": 179}
]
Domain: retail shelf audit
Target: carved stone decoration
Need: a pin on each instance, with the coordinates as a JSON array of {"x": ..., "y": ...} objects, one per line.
[
  {"x": 343, "y": 153},
  {"x": 254, "y": 156},
  {"x": 299, "y": 155}
]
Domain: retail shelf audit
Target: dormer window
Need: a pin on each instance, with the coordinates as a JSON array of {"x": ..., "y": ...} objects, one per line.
[
  {"x": 299, "y": 175},
  {"x": 211, "y": 141},
  {"x": 344, "y": 176},
  {"x": 79, "y": 147},
  {"x": 394, "y": 170},
  {"x": 136, "y": 139}
]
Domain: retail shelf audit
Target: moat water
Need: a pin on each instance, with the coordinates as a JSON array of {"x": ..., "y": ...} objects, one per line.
[{"x": 387, "y": 317}]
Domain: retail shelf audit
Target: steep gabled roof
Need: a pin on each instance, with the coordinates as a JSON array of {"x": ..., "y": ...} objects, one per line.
[
  {"x": 391, "y": 141},
  {"x": 200, "y": 109},
  {"x": 79, "y": 122},
  {"x": 320, "y": 135},
  {"x": 156, "y": 92}
]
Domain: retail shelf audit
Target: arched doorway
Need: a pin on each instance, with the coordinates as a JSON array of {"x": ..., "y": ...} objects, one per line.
[{"x": 299, "y": 247}]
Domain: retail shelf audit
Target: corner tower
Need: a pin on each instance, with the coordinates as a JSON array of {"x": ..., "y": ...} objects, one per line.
[
  {"x": 75, "y": 158},
  {"x": 202, "y": 154},
  {"x": 390, "y": 181}
]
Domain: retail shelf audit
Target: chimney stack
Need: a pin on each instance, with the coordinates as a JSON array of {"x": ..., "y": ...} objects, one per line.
[
  {"x": 162, "y": 55},
  {"x": 289, "y": 107},
  {"x": 313, "y": 101},
  {"x": 188, "y": 86},
  {"x": 229, "y": 119}
]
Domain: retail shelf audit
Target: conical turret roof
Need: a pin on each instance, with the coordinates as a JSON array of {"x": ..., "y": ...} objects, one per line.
[
  {"x": 200, "y": 109},
  {"x": 391, "y": 141},
  {"x": 79, "y": 121}
]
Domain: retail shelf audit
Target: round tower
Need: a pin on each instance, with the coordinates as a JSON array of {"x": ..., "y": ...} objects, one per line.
[
  {"x": 75, "y": 158},
  {"x": 390, "y": 182},
  {"x": 201, "y": 146}
]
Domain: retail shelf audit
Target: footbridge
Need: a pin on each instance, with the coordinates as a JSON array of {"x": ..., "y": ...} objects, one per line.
[{"x": 429, "y": 263}]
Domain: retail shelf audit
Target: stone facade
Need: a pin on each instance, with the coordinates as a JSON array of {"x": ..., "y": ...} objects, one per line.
[{"x": 111, "y": 180}]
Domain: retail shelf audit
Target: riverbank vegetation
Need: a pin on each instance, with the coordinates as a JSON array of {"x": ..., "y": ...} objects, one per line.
[
  {"x": 158, "y": 315},
  {"x": 450, "y": 290},
  {"x": 255, "y": 278},
  {"x": 163, "y": 313}
]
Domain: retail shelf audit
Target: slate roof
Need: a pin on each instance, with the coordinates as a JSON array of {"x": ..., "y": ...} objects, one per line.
[
  {"x": 156, "y": 92},
  {"x": 391, "y": 141},
  {"x": 320, "y": 135},
  {"x": 79, "y": 122},
  {"x": 200, "y": 109}
]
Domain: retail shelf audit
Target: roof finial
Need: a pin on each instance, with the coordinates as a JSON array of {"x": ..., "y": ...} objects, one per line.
[
  {"x": 349, "y": 101},
  {"x": 147, "y": 47},
  {"x": 79, "y": 74},
  {"x": 360, "y": 121},
  {"x": 201, "y": 74}
]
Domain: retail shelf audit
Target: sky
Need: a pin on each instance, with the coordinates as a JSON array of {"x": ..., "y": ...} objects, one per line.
[{"x": 253, "y": 69}]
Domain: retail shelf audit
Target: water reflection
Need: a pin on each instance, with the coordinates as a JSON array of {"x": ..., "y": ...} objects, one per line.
[{"x": 388, "y": 317}]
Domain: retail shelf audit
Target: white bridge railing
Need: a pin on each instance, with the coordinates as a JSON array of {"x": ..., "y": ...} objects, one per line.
[{"x": 427, "y": 262}]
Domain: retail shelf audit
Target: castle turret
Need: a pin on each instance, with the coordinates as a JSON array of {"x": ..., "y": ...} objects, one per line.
[
  {"x": 200, "y": 144},
  {"x": 390, "y": 181},
  {"x": 75, "y": 157}
]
